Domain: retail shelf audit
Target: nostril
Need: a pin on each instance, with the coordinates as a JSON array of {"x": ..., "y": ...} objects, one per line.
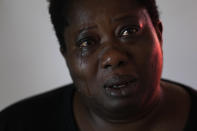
[
  {"x": 107, "y": 66},
  {"x": 114, "y": 59},
  {"x": 121, "y": 63}
]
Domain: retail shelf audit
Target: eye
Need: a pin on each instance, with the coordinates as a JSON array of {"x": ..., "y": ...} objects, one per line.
[
  {"x": 128, "y": 31},
  {"x": 84, "y": 43}
]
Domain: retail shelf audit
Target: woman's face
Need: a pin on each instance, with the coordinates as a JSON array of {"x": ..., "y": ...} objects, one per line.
[{"x": 113, "y": 53}]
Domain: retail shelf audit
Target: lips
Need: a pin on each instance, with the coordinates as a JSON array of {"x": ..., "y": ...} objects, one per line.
[{"x": 121, "y": 86}]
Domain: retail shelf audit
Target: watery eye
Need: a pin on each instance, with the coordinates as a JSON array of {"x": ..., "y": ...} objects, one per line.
[
  {"x": 85, "y": 43},
  {"x": 126, "y": 32}
]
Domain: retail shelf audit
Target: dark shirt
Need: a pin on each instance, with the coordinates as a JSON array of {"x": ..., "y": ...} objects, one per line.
[{"x": 53, "y": 111}]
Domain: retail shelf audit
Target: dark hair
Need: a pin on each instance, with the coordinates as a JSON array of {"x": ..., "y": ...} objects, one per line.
[{"x": 56, "y": 9}]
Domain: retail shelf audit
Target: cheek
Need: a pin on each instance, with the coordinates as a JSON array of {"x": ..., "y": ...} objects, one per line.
[
  {"x": 149, "y": 60},
  {"x": 157, "y": 63},
  {"x": 154, "y": 63},
  {"x": 82, "y": 71},
  {"x": 157, "y": 60},
  {"x": 150, "y": 52},
  {"x": 77, "y": 64}
]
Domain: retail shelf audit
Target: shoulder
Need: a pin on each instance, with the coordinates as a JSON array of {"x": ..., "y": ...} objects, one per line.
[
  {"x": 37, "y": 110},
  {"x": 192, "y": 92}
]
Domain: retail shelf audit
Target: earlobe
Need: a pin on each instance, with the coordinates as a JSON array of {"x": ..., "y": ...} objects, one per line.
[
  {"x": 62, "y": 50},
  {"x": 159, "y": 30}
]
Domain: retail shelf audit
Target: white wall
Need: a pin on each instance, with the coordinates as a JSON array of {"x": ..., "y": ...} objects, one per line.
[
  {"x": 30, "y": 61},
  {"x": 180, "y": 40}
]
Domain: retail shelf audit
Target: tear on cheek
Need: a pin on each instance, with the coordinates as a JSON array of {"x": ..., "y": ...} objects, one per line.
[
  {"x": 82, "y": 64},
  {"x": 82, "y": 80},
  {"x": 84, "y": 52}
]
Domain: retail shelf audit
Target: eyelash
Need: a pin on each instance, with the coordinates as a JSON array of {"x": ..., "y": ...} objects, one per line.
[
  {"x": 131, "y": 30},
  {"x": 85, "y": 42}
]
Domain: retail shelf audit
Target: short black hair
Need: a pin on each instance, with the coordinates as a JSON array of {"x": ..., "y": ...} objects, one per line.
[{"x": 57, "y": 7}]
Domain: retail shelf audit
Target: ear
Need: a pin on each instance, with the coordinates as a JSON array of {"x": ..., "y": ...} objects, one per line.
[
  {"x": 159, "y": 31},
  {"x": 63, "y": 52}
]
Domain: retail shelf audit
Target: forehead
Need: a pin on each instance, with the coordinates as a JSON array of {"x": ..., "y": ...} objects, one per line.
[{"x": 80, "y": 10}]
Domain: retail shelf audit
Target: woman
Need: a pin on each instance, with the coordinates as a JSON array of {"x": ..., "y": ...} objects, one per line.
[{"x": 113, "y": 50}]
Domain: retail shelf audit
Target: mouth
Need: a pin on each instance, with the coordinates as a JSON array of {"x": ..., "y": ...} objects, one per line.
[{"x": 121, "y": 86}]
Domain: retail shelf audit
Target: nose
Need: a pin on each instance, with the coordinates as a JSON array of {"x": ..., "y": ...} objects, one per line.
[{"x": 114, "y": 58}]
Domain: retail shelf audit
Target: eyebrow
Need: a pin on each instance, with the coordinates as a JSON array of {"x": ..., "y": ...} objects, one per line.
[
  {"x": 123, "y": 17},
  {"x": 87, "y": 28},
  {"x": 118, "y": 18}
]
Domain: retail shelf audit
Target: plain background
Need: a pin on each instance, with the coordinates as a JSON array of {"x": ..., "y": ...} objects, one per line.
[{"x": 30, "y": 62}]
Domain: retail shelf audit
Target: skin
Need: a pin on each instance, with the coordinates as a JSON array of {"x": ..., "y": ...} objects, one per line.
[{"x": 111, "y": 41}]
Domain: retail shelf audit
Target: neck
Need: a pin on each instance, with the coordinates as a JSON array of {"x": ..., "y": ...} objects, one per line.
[
  {"x": 99, "y": 117},
  {"x": 125, "y": 115}
]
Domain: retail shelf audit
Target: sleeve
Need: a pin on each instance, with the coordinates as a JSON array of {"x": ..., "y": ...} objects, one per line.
[
  {"x": 4, "y": 124},
  {"x": 9, "y": 121}
]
